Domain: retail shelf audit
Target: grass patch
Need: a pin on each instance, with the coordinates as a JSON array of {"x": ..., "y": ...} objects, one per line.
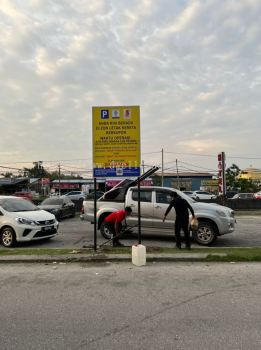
[
  {"x": 237, "y": 254},
  {"x": 230, "y": 254},
  {"x": 43, "y": 251}
]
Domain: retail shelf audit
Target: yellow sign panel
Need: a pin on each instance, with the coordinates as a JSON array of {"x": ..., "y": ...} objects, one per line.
[
  {"x": 116, "y": 141},
  {"x": 211, "y": 182}
]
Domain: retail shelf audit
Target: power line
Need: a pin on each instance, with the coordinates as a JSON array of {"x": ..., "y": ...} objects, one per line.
[
  {"x": 196, "y": 166},
  {"x": 256, "y": 157},
  {"x": 49, "y": 161},
  {"x": 192, "y": 154},
  {"x": 186, "y": 168},
  {"x": 7, "y": 167}
]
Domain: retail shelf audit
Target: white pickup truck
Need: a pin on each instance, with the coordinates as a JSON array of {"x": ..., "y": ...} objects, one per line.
[{"x": 214, "y": 220}]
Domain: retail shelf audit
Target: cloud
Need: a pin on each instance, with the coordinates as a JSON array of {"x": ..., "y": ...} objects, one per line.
[{"x": 192, "y": 66}]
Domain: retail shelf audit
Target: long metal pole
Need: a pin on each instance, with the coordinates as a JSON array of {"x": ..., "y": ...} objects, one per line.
[
  {"x": 95, "y": 217},
  {"x": 224, "y": 186},
  {"x": 139, "y": 223},
  {"x": 177, "y": 174},
  {"x": 162, "y": 169},
  {"x": 59, "y": 174},
  {"x": 143, "y": 167}
]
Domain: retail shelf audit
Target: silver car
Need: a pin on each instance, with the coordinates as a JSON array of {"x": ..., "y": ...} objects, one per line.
[
  {"x": 203, "y": 195},
  {"x": 244, "y": 196},
  {"x": 76, "y": 195}
]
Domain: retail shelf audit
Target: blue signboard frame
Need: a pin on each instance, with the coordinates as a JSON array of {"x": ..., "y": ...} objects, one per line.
[{"x": 116, "y": 172}]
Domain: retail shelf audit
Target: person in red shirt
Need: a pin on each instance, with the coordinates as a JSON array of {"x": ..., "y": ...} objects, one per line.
[{"x": 113, "y": 222}]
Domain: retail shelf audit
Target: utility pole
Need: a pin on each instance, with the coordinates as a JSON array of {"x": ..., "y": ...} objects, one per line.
[
  {"x": 162, "y": 169},
  {"x": 143, "y": 167},
  {"x": 59, "y": 178},
  {"x": 177, "y": 174}
]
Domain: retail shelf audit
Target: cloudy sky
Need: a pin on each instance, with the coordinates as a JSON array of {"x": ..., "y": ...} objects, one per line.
[{"x": 194, "y": 67}]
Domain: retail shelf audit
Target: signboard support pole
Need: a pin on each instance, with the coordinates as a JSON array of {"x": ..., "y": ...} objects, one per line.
[
  {"x": 139, "y": 224},
  {"x": 224, "y": 174},
  {"x": 162, "y": 168},
  {"x": 95, "y": 217}
]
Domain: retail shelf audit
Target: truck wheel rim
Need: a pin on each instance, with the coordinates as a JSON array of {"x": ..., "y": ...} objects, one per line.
[
  {"x": 7, "y": 237},
  {"x": 205, "y": 234},
  {"x": 107, "y": 232}
]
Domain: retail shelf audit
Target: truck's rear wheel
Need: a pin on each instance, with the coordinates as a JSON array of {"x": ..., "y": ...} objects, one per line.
[
  {"x": 205, "y": 234},
  {"x": 106, "y": 230}
]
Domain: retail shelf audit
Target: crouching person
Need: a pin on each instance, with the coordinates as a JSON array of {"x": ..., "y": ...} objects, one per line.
[{"x": 114, "y": 223}]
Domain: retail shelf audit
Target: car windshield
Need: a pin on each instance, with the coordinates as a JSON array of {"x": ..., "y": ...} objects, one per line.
[
  {"x": 52, "y": 201},
  {"x": 15, "y": 205}
]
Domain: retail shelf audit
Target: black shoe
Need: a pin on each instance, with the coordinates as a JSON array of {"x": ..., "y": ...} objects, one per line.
[
  {"x": 178, "y": 246},
  {"x": 188, "y": 247}
]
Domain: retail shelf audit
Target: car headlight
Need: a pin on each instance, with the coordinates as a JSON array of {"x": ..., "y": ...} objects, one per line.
[
  {"x": 26, "y": 221},
  {"x": 221, "y": 213},
  {"x": 232, "y": 213}
]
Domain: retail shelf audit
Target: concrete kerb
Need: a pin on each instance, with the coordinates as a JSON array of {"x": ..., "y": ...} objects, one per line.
[{"x": 95, "y": 258}]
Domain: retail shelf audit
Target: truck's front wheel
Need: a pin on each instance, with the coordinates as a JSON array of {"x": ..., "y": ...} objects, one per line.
[
  {"x": 205, "y": 234},
  {"x": 106, "y": 230}
]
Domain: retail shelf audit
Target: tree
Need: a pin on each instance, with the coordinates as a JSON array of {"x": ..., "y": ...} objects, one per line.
[
  {"x": 37, "y": 170},
  {"x": 231, "y": 176},
  {"x": 234, "y": 182},
  {"x": 246, "y": 185},
  {"x": 7, "y": 174}
]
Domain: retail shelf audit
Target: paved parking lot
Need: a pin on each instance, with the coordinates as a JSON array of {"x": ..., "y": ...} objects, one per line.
[{"x": 74, "y": 233}]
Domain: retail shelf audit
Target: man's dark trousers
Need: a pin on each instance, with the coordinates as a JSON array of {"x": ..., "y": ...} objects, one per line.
[
  {"x": 182, "y": 224},
  {"x": 111, "y": 227}
]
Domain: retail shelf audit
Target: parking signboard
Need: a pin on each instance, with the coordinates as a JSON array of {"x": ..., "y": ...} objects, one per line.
[{"x": 116, "y": 141}]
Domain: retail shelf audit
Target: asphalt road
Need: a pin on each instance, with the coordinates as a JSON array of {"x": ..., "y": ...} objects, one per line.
[
  {"x": 74, "y": 233},
  {"x": 185, "y": 306}
]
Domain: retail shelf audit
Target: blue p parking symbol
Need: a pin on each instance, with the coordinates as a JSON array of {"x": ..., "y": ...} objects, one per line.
[{"x": 104, "y": 114}]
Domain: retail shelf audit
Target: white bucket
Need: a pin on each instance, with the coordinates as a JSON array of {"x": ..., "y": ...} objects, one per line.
[{"x": 139, "y": 255}]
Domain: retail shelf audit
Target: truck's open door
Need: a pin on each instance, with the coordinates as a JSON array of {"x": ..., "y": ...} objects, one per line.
[{"x": 118, "y": 192}]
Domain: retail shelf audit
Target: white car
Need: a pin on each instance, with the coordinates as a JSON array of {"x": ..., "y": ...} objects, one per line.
[
  {"x": 258, "y": 195},
  {"x": 188, "y": 193},
  {"x": 76, "y": 195},
  {"x": 203, "y": 195},
  {"x": 22, "y": 221}
]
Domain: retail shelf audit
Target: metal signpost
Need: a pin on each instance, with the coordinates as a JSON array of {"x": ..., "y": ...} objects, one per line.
[
  {"x": 116, "y": 145},
  {"x": 222, "y": 175},
  {"x": 95, "y": 216}
]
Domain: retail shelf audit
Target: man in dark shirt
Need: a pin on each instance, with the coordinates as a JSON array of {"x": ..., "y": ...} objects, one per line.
[{"x": 182, "y": 208}]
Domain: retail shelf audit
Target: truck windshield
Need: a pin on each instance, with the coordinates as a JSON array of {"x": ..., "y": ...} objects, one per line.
[{"x": 183, "y": 195}]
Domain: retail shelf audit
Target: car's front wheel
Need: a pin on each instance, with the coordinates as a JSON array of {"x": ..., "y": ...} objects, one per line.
[
  {"x": 205, "y": 234},
  {"x": 72, "y": 214},
  {"x": 8, "y": 237},
  {"x": 59, "y": 216}
]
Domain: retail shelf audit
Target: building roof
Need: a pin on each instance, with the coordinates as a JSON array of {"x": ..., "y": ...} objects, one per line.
[
  {"x": 184, "y": 174},
  {"x": 250, "y": 173},
  {"x": 77, "y": 181},
  {"x": 12, "y": 181}
]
